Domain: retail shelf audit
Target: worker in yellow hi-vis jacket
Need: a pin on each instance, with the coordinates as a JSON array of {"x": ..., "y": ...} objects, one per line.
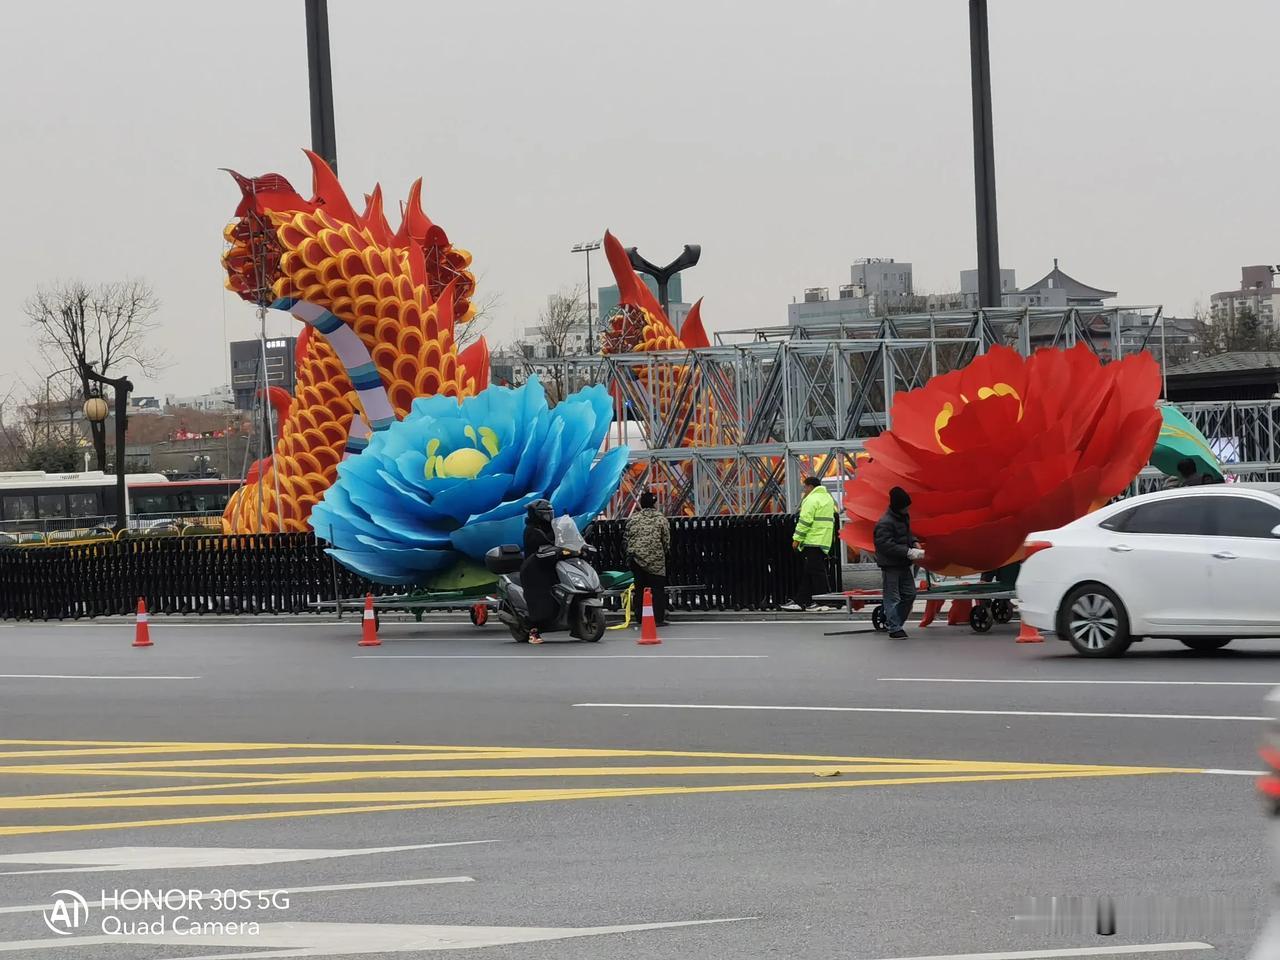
[{"x": 815, "y": 531}]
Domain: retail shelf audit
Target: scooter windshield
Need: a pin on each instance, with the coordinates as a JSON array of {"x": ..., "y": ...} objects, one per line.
[{"x": 567, "y": 535}]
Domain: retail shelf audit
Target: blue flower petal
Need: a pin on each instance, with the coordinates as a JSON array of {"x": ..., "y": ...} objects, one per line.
[
  {"x": 379, "y": 569},
  {"x": 508, "y": 508},
  {"x": 475, "y": 496},
  {"x": 436, "y": 407},
  {"x": 546, "y": 461},
  {"x": 605, "y": 477},
  {"x": 476, "y": 539},
  {"x": 568, "y": 496},
  {"x": 602, "y": 405}
]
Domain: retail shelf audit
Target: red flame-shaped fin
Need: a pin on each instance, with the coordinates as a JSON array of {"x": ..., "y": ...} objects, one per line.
[
  {"x": 631, "y": 289},
  {"x": 375, "y": 219},
  {"x": 691, "y": 331},
  {"x": 415, "y": 222},
  {"x": 270, "y": 191},
  {"x": 328, "y": 192},
  {"x": 475, "y": 361}
]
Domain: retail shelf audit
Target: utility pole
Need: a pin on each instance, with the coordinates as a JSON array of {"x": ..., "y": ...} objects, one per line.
[
  {"x": 323, "y": 139},
  {"x": 984, "y": 163}
]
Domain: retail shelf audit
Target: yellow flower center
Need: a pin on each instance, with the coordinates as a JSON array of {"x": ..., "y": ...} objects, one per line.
[
  {"x": 466, "y": 462},
  {"x": 984, "y": 393}
]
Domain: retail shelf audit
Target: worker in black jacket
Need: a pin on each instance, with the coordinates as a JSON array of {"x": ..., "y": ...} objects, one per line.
[{"x": 896, "y": 552}]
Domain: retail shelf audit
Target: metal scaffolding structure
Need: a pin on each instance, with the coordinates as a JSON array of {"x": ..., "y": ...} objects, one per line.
[{"x": 786, "y": 403}]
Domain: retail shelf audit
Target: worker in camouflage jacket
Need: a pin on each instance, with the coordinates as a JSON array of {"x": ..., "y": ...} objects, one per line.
[{"x": 648, "y": 543}]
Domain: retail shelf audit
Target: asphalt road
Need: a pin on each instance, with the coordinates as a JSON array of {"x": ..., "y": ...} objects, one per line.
[{"x": 291, "y": 759}]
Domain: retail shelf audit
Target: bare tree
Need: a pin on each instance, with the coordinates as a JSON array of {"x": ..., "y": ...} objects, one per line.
[
  {"x": 465, "y": 334},
  {"x": 564, "y": 313},
  {"x": 1237, "y": 330},
  {"x": 38, "y": 429},
  {"x": 103, "y": 328}
]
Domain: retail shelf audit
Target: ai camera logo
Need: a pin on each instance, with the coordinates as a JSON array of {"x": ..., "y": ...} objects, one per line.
[{"x": 67, "y": 912}]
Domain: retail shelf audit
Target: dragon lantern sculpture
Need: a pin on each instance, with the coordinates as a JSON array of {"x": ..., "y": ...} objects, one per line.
[{"x": 380, "y": 306}]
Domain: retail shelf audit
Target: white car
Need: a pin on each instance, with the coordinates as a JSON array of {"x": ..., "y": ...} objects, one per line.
[{"x": 1197, "y": 564}]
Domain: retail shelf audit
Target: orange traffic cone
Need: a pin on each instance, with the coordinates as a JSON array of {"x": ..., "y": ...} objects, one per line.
[
  {"x": 931, "y": 610},
  {"x": 959, "y": 612},
  {"x": 370, "y": 636},
  {"x": 142, "y": 632},
  {"x": 648, "y": 626},
  {"x": 1029, "y": 634}
]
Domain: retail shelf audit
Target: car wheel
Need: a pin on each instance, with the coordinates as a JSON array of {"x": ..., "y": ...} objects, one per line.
[
  {"x": 1094, "y": 621},
  {"x": 1204, "y": 644}
]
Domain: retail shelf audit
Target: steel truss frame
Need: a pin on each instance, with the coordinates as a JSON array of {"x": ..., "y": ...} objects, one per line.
[{"x": 767, "y": 412}]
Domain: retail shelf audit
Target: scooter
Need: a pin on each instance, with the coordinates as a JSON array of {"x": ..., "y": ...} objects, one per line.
[{"x": 579, "y": 606}]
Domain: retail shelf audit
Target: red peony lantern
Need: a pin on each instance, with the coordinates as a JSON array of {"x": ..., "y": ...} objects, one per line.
[{"x": 1005, "y": 447}]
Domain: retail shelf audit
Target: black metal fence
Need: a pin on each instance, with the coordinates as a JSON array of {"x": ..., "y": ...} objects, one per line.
[{"x": 736, "y": 563}]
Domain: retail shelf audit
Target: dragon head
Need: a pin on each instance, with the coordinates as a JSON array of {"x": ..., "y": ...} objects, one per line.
[{"x": 259, "y": 240}]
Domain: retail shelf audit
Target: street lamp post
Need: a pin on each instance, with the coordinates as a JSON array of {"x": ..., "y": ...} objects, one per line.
[
  {"x": 688, "y": 258},
  {"x": 586, "y": 247},
  {"x": 984, "y": 162},
  {"x": 95, "y": 410},
  {"x": 323, "y": 139}
]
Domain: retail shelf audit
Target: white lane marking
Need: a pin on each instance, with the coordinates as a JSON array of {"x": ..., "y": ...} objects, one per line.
[
  {"x": 1153, "y": 683},
  {"x": 969, "y": 713},
  {"x": 98, "y": 860},
  {"x": 77, "y": 676},
  {"x": 547, "y": 655},
  {"x": 376, "y": 885},
  {"x": 1072, "y": 952},
  {"x": 1236, "y": 773},
  {"x": 307, "y": 939}
]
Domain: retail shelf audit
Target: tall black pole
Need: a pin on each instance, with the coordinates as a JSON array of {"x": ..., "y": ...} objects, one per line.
[
  {"x": 323, "y": 139},
  {"x": 591, "y": 337},
  {"x": 123, "y": 387},
  {"x": 984, "y": 162}
]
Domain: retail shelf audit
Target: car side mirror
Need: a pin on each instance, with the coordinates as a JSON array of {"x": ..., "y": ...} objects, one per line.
[{"x": 1275, "y": 531}]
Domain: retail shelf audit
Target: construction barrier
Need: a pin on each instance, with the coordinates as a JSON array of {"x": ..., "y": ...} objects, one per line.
[{"x": 737, "y": 563}]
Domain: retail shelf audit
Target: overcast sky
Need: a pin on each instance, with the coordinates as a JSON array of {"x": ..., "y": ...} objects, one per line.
[{"x": 1135, "y": 141}]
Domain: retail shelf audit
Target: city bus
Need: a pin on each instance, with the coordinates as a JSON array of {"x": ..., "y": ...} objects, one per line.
[{"x": 33, "y": 501}]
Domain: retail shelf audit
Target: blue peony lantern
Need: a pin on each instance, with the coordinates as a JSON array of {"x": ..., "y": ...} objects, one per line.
[{"x": 452, "y": 480}]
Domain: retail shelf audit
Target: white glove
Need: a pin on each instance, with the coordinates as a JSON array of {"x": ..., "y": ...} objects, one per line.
[{"x": 915, "y": 553}]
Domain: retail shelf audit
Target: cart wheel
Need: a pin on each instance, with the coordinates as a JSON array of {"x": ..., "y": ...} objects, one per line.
[
  {"x": 980, "y": 618},
  {"x": 877, "y": 619},
  {"x": 1002, "y": 610},
  {"x": 479, "y": 615}
]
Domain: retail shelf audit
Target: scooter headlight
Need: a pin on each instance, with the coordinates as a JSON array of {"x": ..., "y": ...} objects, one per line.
[{"x": 577, "y": 579}]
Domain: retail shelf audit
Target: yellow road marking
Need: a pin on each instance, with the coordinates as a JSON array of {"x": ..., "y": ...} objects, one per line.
[
  {"x": 197, "y": 746},
  {"x": 305, "y": 766},
  {"x": 516, "y": 797}
]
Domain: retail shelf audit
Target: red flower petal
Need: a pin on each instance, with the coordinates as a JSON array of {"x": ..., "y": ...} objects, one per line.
[{"x": 1036, "y": 443}]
